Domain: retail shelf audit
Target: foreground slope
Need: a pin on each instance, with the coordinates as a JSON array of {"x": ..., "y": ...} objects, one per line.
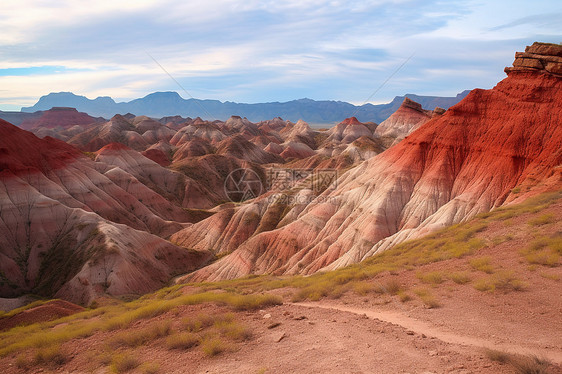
[
  {"x": 455, "y": 166},
  {"x": 480, "y": 297}
]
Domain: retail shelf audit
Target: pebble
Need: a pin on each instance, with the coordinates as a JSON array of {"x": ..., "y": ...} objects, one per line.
[{"x": 266, "y": 316}]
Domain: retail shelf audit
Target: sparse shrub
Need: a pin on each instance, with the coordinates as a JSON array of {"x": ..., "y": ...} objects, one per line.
[
  {"x": 503, "y": 281},
  {"x": 22, "y": 362},
  {"x": 498, "y": 356},
  {"x": 427, "y": 298},
  {"x": 554, "y": 277},
  {"x": 233, "y": 330},
  {"x": 545, "y": 258},
  {"x": 460, "y": 277},
  {"x": 184, "y": 340},
  {"x": 482, "y": 264},
  {"x": 362, "y": 288},
  {"x": 392, "y": 286},
  {"x": 124, "y": 362},
  {"x": 404, "y": 297},
  {"x": 544, "y": 251},
  {"x": 434, "y": 277},
  {"x": 530, "y": 365},
  {"x": 137, "y": 338},
  {"x": 202, "y": 321},
  {"x": 150, "y": 368},
  {"x": 522, "y": 364},
  {"x": 212, "y": 346},
  {"x": 51, "y": 355},
  {"x": 541, "y": 220},
  {"x": 253, "y": 302}
]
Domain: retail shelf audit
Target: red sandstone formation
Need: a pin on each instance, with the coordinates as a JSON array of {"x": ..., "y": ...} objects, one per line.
[{"x": 456, "y": 165}]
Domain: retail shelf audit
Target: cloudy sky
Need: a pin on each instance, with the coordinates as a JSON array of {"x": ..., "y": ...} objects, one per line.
[{"x": 269, "y": 50}]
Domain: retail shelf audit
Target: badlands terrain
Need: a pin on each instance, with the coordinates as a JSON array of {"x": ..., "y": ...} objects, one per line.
[{"x": 434, "y": 247}]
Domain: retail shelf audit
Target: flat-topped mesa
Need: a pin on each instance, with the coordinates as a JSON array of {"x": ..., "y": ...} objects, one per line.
[{"x": 543, "y": 57}]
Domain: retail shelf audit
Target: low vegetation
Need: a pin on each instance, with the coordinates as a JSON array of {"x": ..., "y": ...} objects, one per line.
[
  {"x": 121, "y": 316},
  {"x": 212, "y": 346},
  {"x": 544, "y": 250},
  {"x": 124, "y": 362},
  {"x": 482, "y": 264},
  {"x": 460, "y": 277},
  {"x": 429, "y": 300},
  {"x": 183, "y": 340},
  {"x": 434, "y": 277},
  {"x": 212, "y": 334},
  {"x": 504, "y": 281},
  {"x": 136, "y": 338},
  {"x": 522, "y": 364}
]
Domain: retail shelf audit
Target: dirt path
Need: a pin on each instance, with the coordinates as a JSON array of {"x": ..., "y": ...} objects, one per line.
[{"x": 422, "y": 327}]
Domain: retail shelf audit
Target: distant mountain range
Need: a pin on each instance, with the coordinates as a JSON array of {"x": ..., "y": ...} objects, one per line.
[{"x": 160, "y": 104}]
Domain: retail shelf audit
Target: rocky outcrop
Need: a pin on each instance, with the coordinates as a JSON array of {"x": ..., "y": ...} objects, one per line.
[
  {"x": 405, "y": 120},
  {"x": 543, "y": 57},
  {"x": 348, "y": 131}
]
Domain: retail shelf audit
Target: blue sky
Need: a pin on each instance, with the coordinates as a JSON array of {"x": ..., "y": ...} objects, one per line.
[{"x": 258, "y": 51}]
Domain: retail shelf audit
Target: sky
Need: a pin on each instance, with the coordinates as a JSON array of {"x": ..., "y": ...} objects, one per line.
[{"x": 260, "y": 51}]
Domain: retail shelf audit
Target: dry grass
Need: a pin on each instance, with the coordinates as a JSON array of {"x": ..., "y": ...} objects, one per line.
[
  {"x": 429, "y": 300},
  {"x": 543, "y": 219},
  {"x": 183, "y": 340},
  {"x": 504, "y": 281},
  {"x": 233, "y": 330},
  {"x": 545, "y": 251},
  {"x": 136, "y": 338},
  {"x": 404, "y": 297},
  {"x": 460, "y": 277},
  {"x": 124, "y": 362},
  {"x": 522, "y": 364},
  {"x": 149, "y": 368},
  {"x": 362, "y": 288},
  {"x": 434, "y": 277},
  {"x": 554, "y": 277},
  {"x": 213, "y": 345},
  {"x": 482, "y": 264},
  {"x": 51, "y": 356},
  {"x": 120, "y": 316}
]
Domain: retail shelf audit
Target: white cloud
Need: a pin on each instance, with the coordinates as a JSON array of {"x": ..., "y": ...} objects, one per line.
[{"x": 264, "y": 50}]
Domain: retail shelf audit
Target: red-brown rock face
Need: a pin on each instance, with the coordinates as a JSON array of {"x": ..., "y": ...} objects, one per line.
[
  {"x": 76, "y": 228},
  {"x": 61, "y": 118},
  {"x": 453, "y": 167}
]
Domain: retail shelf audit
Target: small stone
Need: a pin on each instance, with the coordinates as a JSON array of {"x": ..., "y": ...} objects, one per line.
[
  {"x": 274, "y": 325},
  {"x": 423, "y": 336},
  {"x": 266, "y": 316},
  {"x": 433, "y": 353},
  {"x": 279, "y": 337},
  {"x": 409, "y": 332},
  {"x": 300, "y": 318}
]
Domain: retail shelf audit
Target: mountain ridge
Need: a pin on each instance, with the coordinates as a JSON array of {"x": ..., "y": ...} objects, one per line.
[{"x": 161, "y": 104}]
